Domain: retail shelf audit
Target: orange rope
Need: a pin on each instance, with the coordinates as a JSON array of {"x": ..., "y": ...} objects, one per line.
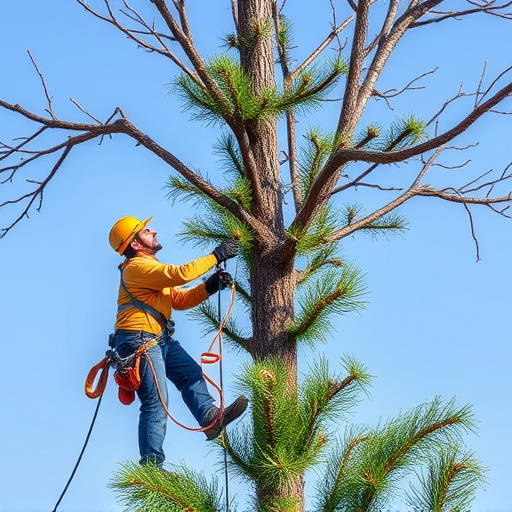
[
  {"x": 103, "y": 365},
  {"x": 206, "y": 358}
]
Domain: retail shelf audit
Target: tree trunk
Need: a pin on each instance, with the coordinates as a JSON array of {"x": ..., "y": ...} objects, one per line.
[{"x": 272, "y": 285}]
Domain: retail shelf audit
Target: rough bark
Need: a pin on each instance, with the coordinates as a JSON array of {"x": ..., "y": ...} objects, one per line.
[{"x": 272, "y": 283}]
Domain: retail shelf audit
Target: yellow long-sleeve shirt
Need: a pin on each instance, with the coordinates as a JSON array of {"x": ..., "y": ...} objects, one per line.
[{"x": 155, "y": 284}]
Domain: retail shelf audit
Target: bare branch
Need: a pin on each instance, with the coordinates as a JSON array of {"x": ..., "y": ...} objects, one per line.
[
  {"x": 355, "y": 181},
  {"x": 133, "y": 35},
  {"x": 234, "y": 12},
  {"x": 377, "y": 214},
  {"x": 48, "y": 98},
  {"x": 386, "y": 26},
  {"x": 351, "y": 3},
  {"x": 35, "y": 194},
  {"x": 493, "y": 83},
  {"x": 85, "y": 111},
  {"x": 387, "y": 43},
  {"x": 477, "y": 95},
  {"x": 321, "y": 189},
  {"x": 91, "y": 131},
  {"x": 17, "y": 149},
  {"x": 180, "y": 6},
  {"x": 351, "y": 154},
  {"x": 373, "y": 185},
  {"x": 484, "y": 8},
  {"x": 459, "y": 95},
  {"x": 448, "y": 194},
  {"x": 393, "y": 93},
  {"x": 327, "y": 41},
  {"x": 455, "y": 196},
  {"x": 352, "y": 89}
]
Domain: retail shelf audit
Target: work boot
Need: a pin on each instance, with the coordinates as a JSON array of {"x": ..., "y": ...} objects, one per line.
[{"x": 231, "y": 413}]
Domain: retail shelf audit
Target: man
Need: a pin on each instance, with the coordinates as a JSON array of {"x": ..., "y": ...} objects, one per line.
[{"x": 147, "y": 296}]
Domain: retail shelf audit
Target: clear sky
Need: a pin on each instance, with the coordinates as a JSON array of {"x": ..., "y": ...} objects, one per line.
[{"x": 437, "y": 322}]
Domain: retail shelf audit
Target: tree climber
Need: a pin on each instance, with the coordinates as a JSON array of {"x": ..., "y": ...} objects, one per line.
[{"x": 147, "y": 295}]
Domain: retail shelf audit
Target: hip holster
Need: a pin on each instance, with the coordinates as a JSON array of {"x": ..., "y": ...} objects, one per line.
[{"x": 128, "y": 380}]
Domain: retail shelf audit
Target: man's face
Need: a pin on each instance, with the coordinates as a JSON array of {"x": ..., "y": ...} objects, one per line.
[{"x": 147, "y": 238}]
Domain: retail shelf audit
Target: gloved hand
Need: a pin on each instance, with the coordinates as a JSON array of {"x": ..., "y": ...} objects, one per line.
[
  {"x": 220, "y": 280},
  {"x": 226, "y": 250}
]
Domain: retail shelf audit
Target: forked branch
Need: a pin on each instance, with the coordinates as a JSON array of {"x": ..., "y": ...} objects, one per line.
[{"x": 88, "y": 132}]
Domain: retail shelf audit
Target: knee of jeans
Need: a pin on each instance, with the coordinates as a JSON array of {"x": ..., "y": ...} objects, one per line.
[
  {"x": 153, "y": 405},
  {"x": 192, "y": 379},
  {"x": 151, "y": 395}
]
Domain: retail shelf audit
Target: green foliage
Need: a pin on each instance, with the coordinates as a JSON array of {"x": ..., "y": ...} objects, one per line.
[
  {"x": 449, "y": 482},
  {"x": 234, "y": 85},
  {"x": 216, "y": 224},
  {"x": 238, "y": 99},
  {"x": 318, "y": 260},
  {"x": 207, "y": 314},
  {"x": 330, "y": 291},
  {"x": 314, "y": 154},
  {"x": 178, "y": 187},
  {"x": 230, "y": 156},
  {"x": 241, "y": 192},
  {"x": 326, "y": 397},
  {"x": 403, "y": 133},
  {"x": 315, "y": 237},
  {"x": 367, "y": 478},
  {"x": 392, "y": 223},
  {"x": 331, "y": 486},
  {"x": 289, "y": 432},
  {"x": 310, "y": 87},
  {"x": 147, "y": 488},
  {"x": 367, "y": 138},
  {"x": 284, "y": 37}
]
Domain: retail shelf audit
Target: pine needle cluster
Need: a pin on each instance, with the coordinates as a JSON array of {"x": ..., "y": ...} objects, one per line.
[
  {"x": 404, "y": 132},
  {"x": 146, "y": 488},
  {"x": 289, "y": 432},
  {"x": 392, "y": 223},
  {"x": 237, "y": 99},
  {"x": 364, "y": 471},
  {"x": 314, "y": 154},
  {"x": 449, "y": 482},
  {"x": 330, "y": 291}
]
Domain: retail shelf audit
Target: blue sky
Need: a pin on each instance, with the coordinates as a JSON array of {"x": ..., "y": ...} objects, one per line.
[{"x": 436, "y": 323}]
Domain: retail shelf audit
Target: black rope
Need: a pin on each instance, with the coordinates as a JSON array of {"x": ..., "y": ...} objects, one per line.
[
  {"x": 81, "y": 454},
  {"x": 226, "y": 476}
]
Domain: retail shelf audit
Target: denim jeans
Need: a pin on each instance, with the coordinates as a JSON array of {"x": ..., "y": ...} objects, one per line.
[{"x": 172, "y": 361}]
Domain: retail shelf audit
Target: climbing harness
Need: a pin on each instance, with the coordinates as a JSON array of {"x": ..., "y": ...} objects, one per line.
[{"x": 127, "y": 375}]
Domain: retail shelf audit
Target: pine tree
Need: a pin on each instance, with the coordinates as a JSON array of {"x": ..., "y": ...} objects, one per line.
[{"x": 291, "y": 276}]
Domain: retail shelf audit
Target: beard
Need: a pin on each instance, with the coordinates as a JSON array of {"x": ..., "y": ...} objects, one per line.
[{"x": 151, "y": 248}]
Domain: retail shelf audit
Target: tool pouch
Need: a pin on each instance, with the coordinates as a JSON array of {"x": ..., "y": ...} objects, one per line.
[{"x": 128, "y": 380}]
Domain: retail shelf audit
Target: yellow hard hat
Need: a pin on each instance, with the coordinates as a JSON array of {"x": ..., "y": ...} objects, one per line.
[{"x": 124, "y": 231}]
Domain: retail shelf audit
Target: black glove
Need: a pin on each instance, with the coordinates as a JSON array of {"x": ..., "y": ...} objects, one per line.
[
  {"x": 220, "y": 280},
  {"x": 226, "y": 250}
]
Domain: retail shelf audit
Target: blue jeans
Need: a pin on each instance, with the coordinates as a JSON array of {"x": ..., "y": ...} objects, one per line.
[{"x": 172, "y": 361}]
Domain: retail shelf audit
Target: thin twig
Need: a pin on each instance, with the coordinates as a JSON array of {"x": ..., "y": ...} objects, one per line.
[
  {"x": 85, "y": 111},
  {"x": 493, "y": 83},
  {"x": 48, "y": 98},
  {"x": 321, "y": 47}
]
